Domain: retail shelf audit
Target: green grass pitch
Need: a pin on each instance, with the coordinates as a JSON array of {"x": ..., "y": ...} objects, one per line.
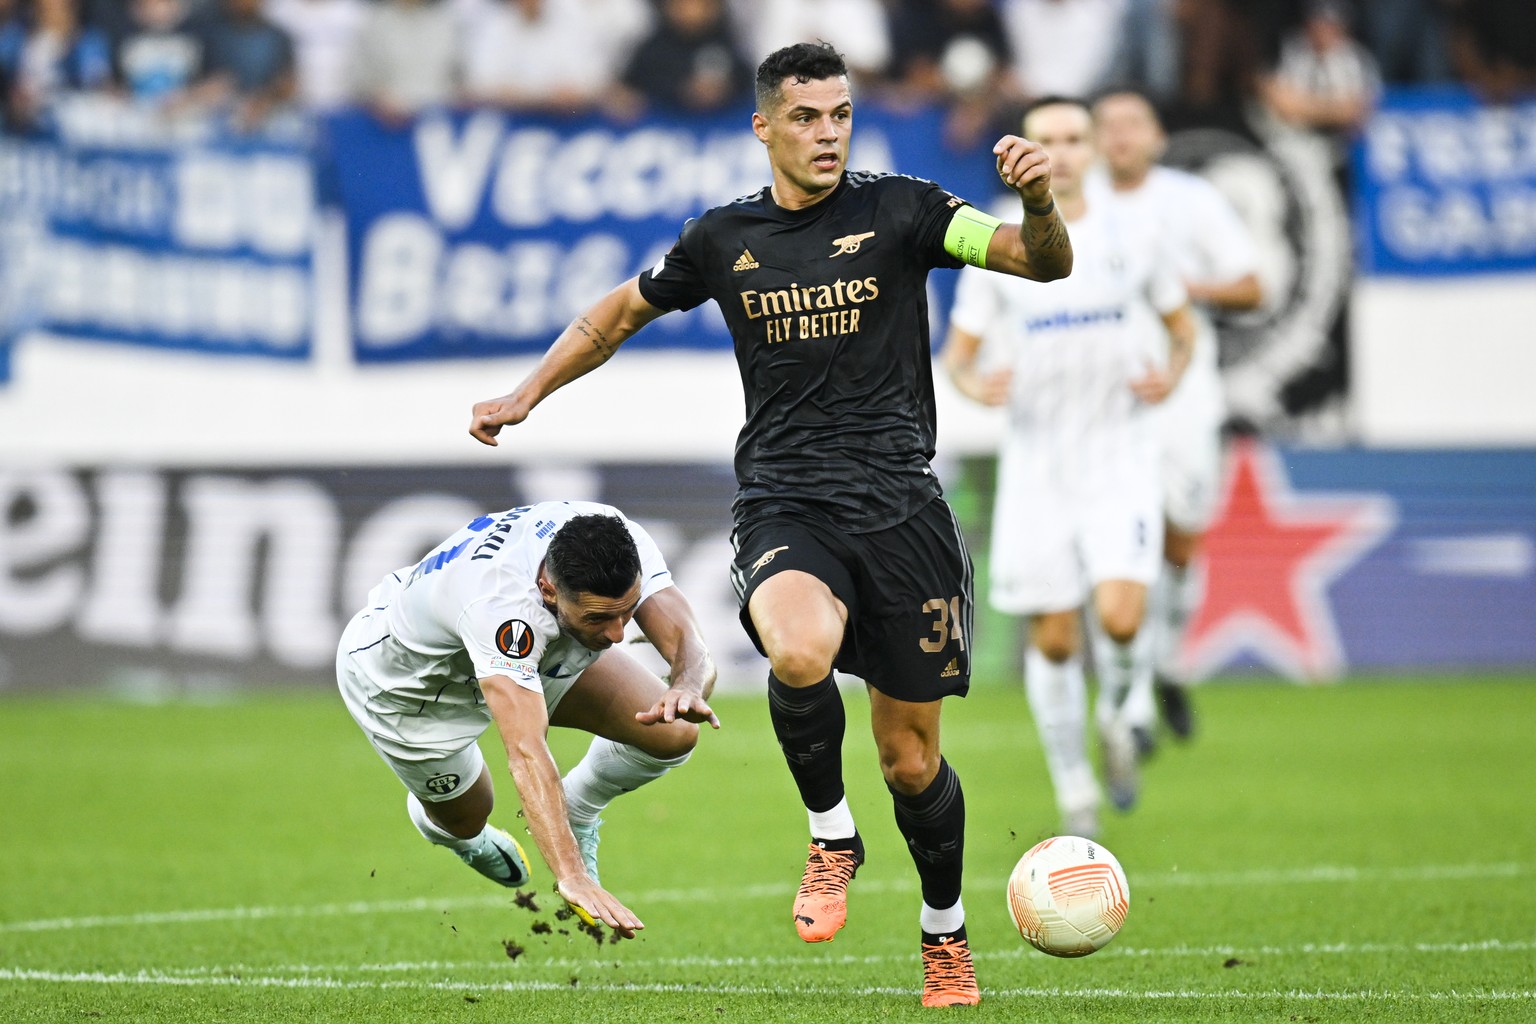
[{"x": 1347, "y": 853}]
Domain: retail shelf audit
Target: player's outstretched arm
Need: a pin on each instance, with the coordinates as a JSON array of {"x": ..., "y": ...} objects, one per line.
[
  {"x": 1038, "y": 247},
  {"x": 522, "y": 722},
  {"x": 668, "y": 622},
  {"x": 587, "y": 343}
]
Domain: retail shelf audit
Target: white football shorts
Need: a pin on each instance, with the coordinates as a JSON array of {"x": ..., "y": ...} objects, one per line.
[
  {"x": 431, "y": 747},
  {"x": 1188, "y": 423},
  {"x": 1054, "y": 541}
]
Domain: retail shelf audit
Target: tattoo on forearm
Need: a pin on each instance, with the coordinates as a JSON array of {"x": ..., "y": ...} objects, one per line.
[
  {"x": 595, "y": 335},
  {"x": 1046, "y": 241}
]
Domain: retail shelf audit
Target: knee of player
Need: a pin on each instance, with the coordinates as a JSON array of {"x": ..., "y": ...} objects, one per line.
[
  {"x": 909, "y": 771},
  {"x": 1121, "y": 624},
  {"x": 672, "y": 743},
  {"x": 1057, "y": 648},
  {"x": 801, "y": 664}
]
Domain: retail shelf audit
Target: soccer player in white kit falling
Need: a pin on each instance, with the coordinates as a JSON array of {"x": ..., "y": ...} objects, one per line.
[
  {"x": 1077, "y": 522},
  {"x": 1215, "y": 256},
  {"x": 516, "y": 618}
]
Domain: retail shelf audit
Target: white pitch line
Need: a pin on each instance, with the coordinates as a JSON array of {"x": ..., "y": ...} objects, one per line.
[
  {"x": 1331, "y": 873},
  {"x": 1259, "y": 877},
  {"x": 249, "y": 913},
  {"x": 155, "y": 978},
  {"x": 803, "y": 962}
]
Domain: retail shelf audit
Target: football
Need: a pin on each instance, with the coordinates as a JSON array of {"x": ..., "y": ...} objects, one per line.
[{"x": 1068, "y": 896}]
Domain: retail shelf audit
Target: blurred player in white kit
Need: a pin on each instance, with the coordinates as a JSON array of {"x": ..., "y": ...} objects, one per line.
[
  {"x": 1077, "y": 524},
  {"x": 1214, "y": 255}
]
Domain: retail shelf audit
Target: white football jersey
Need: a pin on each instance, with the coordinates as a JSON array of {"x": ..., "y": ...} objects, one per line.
[
  {"x": 1075, "y": 345},
  {"x": 1207, "y": 242},
  {"x": 472, "y": 609},
  {"x": 1204, "y": 235}
]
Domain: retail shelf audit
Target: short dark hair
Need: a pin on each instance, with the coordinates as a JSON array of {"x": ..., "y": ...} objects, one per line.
[
  {"x": 593, "y": 554},
  {"x": 804, "y": 62},
  {"x": 1054, "y": 100}
]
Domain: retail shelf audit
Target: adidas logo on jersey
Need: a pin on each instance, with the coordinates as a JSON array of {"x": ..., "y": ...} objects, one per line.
[
  {"x": 951, "y": 670},
  {"x": 745, "y": 262}
]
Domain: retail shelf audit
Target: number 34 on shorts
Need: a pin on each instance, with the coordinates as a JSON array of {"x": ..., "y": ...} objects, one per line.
[{"x": 948, "y": 624}]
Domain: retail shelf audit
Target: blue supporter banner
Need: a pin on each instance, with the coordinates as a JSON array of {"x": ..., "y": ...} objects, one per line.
[
  {"x": 1446, "y": 184},
  {"x": 206, "y": 246},
  {"x": 480, "y": 234}
]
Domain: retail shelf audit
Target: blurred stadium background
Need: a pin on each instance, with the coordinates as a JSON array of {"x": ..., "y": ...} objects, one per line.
[
  {"x": 257, "y": 260},
  {"x": 259, "y": 257}
]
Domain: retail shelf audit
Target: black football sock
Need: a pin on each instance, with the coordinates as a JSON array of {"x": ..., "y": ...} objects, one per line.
[
  {"x": 933, "y": 939},
  {"x": 855, "y": 845},
  {"x": 933, "y": 823},
  {"x": 809, "y": 723}
]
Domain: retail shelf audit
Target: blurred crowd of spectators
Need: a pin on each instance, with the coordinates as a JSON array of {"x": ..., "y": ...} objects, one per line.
[{"x": 1317, "y": 63}]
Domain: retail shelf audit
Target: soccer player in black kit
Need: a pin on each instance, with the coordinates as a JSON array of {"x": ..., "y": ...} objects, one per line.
[{"x": 846, "y": 555}]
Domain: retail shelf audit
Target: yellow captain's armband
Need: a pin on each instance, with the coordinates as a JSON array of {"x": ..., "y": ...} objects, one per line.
[{"x": 969, "y": 232}]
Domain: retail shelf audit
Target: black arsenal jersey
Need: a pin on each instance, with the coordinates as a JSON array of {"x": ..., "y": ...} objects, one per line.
[{"x": 828, "y": 308}]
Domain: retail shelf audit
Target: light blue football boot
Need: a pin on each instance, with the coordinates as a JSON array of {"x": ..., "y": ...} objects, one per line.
[{"x": 498, "y": 857}]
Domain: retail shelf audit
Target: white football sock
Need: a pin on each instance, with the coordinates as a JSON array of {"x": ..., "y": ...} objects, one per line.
[
  {"x": 1172, "y": 601},
  {"x": 1058, "y": 700},
  {"x": 834, "y": 823},
  {"x": 942, "y": 922},
  {"x": 607, "y": 770},
  {"x": 1125, "y": 676},
  {"x": 430, "y": 830}
]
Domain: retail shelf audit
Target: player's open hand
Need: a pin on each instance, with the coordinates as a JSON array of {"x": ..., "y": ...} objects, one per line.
[
  {"x": 487, "y": 418},
  {"x": 592, "y": 903},
  {"x": 1025, "y": 168},
  {"x": 679, "y": 704},
  {"x": 994, "y": 388},
  {"x": 1153, "y": 386}
]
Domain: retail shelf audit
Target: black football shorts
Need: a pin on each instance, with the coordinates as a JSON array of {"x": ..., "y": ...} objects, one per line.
[{"x": 907, "y": 589}]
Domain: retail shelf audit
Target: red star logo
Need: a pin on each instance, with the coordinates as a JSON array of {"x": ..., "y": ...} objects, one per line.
[{"x": 1270, "y": 557}]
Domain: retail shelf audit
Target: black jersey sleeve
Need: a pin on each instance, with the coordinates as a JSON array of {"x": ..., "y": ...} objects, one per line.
[
  {"x": 675, "y": 282},
  {"x": 933, "y": 210}
]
